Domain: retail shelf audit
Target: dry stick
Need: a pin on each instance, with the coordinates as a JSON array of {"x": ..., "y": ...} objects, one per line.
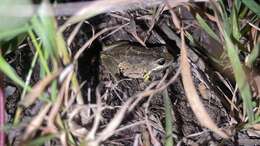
[{"x": 192, "y": 94}]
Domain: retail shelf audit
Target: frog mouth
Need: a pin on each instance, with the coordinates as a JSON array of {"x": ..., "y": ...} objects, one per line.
[{"x": 134, "y": 75}]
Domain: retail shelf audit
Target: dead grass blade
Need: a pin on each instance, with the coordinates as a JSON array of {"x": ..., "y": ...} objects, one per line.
[
  {"x": 88, "y": 43},
  {"x": 192, "y": 95},
  {"x": 36, "y": 121},
  {"x": 98, "y": 116},
  {"x": 38, "y": 89},
  {"x": 175, "y": 19},
  {"x": 57, "y": 104},
  {"x": 87, "y": 10},
  {"x": 132, "y": 30},
  {"x": 63, "y": 139},
  {"x": 74, "y": 33}
]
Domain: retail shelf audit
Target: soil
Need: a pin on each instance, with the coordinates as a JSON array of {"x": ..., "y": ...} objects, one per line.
[{"x": 187, "y": 130}]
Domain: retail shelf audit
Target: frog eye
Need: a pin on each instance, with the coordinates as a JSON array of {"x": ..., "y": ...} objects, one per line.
[
  {"x": 161, "y": 61},
  {"x": 121, "y": 69}
]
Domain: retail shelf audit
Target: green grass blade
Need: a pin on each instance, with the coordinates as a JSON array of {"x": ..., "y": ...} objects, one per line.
[
  {"x": 168, "y": 119},
  {"x": 237, "y": 4},
  {"x": 11, "y": 23},
  {"x": 29, "y": 75},
  {"x": 223, "y": 11},
  {"x": 54, "y": 90},
  {"x": 240, "y": 77},
  {"x": 43, "y": 62},
  {"x": 234, "y": 24},
  {"x": 206, "y": 27},
  {"x": 9, "y": 34},
  {"x": 253, "y": 55},
  {"x": 10, "y": 72},
  {"x": 41, "y": 140},
  {"x": 253, "y": 6},
  {"x": 45, "y": 27}
]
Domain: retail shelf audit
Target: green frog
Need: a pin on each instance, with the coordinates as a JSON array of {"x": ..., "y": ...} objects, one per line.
[{"x": 135, "y": 61}]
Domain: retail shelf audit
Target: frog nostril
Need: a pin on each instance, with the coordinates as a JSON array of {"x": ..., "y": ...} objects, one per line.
[{"x": 161, "y": 61}]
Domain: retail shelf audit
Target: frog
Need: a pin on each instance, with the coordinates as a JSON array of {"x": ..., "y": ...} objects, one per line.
[{"x": 135, "y": 61}]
